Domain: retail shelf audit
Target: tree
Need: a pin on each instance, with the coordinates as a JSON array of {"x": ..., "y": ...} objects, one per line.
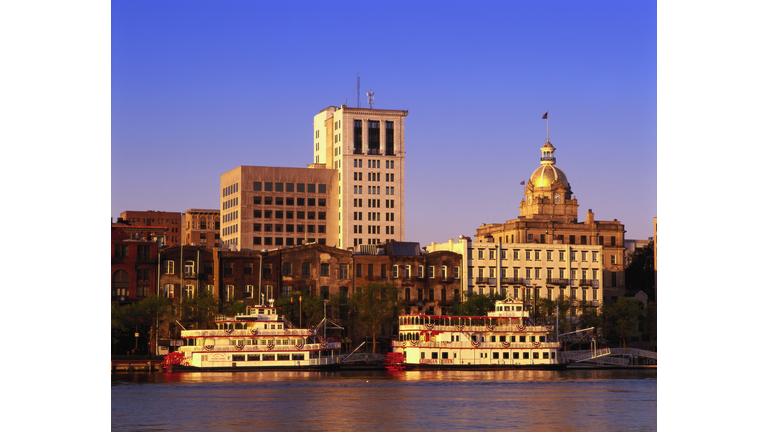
[
  {"x": 623, "y": 317},
  {"x": 476, "y": 305},
  {"x": 374, "y": 305},
  {"x": 234, "y": 308},
  {"x": 146, "y": 315},
  {"x": 639, "y": 273},
  {"x": 119, "y": 325},
  {"x": 199, "y": 312}
]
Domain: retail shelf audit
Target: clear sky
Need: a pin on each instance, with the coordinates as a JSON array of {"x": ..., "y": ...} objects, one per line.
[{"x": 199, "y": 88}]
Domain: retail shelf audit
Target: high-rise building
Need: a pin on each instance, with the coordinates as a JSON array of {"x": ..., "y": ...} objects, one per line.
[
  {"x": 352, "y": 194},
  {"x": 367, "y": 149}
]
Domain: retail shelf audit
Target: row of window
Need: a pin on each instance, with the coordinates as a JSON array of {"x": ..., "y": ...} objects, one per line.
[
  {"x": 430, "y": 295},
  {"x": 280, "y": 214},
  {"x": 535, "y": 293},
  {"x": 268, "y": 227},
  {"x": 481, "y": 273},
  {"x": 533, "y": 255},
  {"x": 542, "y": 238},
  {"x": 229, "y": 190},
  {"x": 504, "y": 355},
  {"x": 289, "y": 187},
  {"x": 289, "y": 201},
  {"x": 285, "y": 241}
]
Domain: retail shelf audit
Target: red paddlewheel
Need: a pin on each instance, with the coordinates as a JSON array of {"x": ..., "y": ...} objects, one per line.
[{"x": 173, "y": 358}]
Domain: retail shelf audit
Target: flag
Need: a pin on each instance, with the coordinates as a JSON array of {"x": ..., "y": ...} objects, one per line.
[
  {"x": 545, "y": 115},
  {"x": 522, "y": 183}
]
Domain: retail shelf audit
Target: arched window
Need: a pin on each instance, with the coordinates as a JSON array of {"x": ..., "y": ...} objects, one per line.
[{"x": 120, "y": 283}]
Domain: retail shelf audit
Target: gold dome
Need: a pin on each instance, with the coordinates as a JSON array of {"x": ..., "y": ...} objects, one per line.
[{"x": 545, "y": 175}]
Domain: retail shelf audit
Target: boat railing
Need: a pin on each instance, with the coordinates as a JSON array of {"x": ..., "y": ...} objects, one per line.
[
  {"x": 478, "y": 345},
  {"x": 477, "y": 329},
  {"x": 245, "y": 333},
  {"x": 260, "y": 348}
]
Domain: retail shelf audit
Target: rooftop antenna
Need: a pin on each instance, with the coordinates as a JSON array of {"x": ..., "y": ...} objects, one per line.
[
  {"x": 358, "y": 89},
  {"x": 370, "y": 98}
]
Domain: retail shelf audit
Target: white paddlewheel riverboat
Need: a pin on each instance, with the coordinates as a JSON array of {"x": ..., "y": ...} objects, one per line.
[
  {"x": 505, "y": 339},
  {"x": 257, "y": 340}
]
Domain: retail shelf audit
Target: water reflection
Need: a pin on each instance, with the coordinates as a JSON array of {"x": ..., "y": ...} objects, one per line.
[{"x": 377, "y": 400}]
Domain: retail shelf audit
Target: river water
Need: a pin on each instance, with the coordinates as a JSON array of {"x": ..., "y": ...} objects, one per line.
[{"x": 594, "y": 400}]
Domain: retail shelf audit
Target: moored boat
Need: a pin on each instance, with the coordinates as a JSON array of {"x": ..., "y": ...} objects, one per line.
[
  {"x": 504, "y": 339},
  {"x": 260, "y": 339}
]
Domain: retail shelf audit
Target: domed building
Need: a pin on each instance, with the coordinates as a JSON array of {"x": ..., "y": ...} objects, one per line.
[
  {"x": 548, "y": 194},
  {"x": 546, "y": 251}
]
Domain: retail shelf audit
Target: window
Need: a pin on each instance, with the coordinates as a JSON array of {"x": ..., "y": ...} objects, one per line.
[
  {"x": 169, "y": 267},
  {"x": 229, "y": 292},
  {"x": 248, "y": 268},
  {"x": 189, "y": 268},
  {"x": 394, "y": 272},
  {"x": 168, "y": 290},
  {"x": 343, "y": 271},
  {"x": 325, "y": 269},
  {"x": 286, "y": 269},
  {"x": 431, "y": 272}
]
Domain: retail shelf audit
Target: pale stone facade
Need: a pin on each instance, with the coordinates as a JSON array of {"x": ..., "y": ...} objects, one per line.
[
  {"x": 530, "y": 270},
  {"x": 367, "y": 149},
  {"x": 548, "y": 222}
]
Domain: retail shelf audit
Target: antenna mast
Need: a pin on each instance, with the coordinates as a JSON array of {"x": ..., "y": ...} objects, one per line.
[
  {"x": 370, "y": 98},
  {"x": 358, "y": 89}
]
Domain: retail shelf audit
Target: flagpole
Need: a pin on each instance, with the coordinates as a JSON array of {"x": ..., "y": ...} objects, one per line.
[{"x": 547, "y": 125}]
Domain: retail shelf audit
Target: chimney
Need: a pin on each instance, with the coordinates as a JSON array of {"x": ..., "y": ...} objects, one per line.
[{"x": 590, "y": 217}]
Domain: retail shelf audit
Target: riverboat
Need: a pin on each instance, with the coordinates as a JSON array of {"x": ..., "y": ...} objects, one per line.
[
  {"x": 504, "y": 339},
  {"x": 259, "y": 339}
]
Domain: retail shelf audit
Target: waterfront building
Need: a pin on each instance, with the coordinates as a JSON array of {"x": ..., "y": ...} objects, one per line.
[
  {"x": 186, "y": 271},
  {"x": 201, "y": 227},
  {"x": 352, "y": 194},
  {"x": 593, "y": 251},
  {"x": 134, "y": 256},
  {"x": 156, "y": 218},
  {"x": 530, "y": 270}
]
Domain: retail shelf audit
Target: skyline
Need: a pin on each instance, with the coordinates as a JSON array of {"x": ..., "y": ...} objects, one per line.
[{"x": 199, "y": 91}]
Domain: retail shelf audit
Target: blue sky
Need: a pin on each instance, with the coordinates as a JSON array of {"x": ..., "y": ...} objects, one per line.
[{"x": 199, "y": 88}]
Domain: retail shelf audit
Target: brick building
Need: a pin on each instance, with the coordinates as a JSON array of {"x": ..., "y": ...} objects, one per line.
[
  {"x": 201, "y": 227},
  {"x": 153, "y": 218},
  {"x": 134, "y": 260}
]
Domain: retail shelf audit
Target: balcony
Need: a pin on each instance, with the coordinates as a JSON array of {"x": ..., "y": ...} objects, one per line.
[
  {"x": 374, "y": 152},
  {"x": 558, "y": 281},
  {"x": 481, "y": 280},
  {"x": 587, "y": 282},
  {"x": 447, "y": 279},
  {"x": 513, "y": 281},
  {"x": 548, "y": 159},
  {"x": 358, "y": 151},
  {"x": 390, "y": 151}
]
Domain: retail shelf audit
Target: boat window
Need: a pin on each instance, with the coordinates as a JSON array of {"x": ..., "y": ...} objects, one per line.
[
  {"x": 525, "y": 355},
  {"x": 261, "y": 311},
  {"x": 515, "y": 355},
  {"x": 506, "y": 308},
  {"x": 545, "y": 355}
]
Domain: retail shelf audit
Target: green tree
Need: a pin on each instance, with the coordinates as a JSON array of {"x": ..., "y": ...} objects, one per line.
[
  {"x": 476, "y": 305},
  {"x": 146, "y": 315},
  {"x": 200, "y": 311},
  {"x": 639, "y": 273},
  {"x": 374, "y": 305},
  {"x": 119, "y": 323},
  {"x": 624, "y": 317},
  {"x": 234, "y": 308}
]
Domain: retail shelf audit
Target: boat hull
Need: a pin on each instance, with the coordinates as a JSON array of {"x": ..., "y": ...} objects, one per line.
[
  {"x": 481, "y": 367},
  {"x": 181, "y": 368}
]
